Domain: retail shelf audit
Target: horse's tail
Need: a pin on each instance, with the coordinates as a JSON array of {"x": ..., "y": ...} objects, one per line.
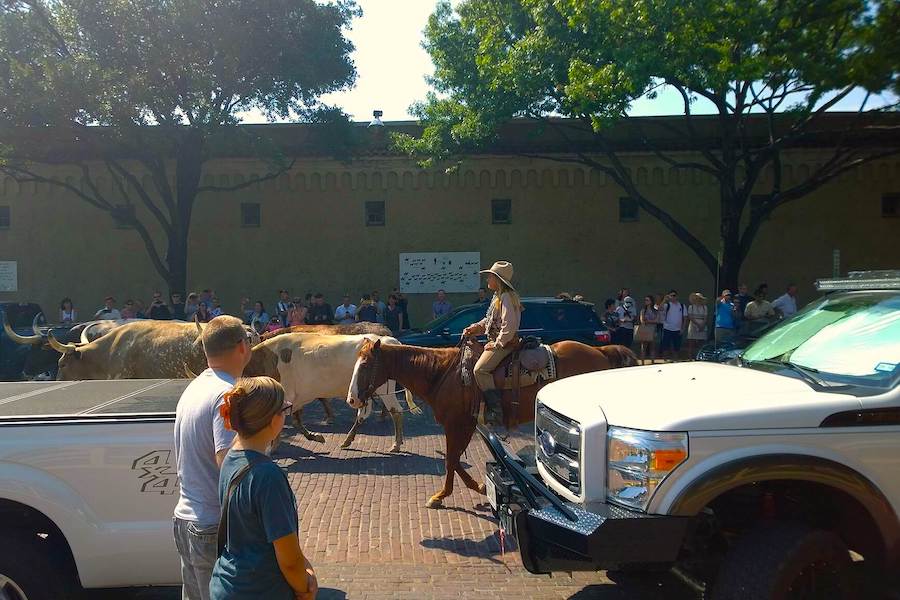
[
  {"x": 620, "y": 356},
  {"x": 410, "y": 401}
]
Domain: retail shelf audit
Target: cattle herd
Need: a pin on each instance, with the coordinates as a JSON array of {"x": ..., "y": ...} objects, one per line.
[{"x": 312, "y": 361}]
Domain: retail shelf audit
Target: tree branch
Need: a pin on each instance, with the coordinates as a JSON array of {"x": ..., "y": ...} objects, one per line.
[
  {"x": 142, "y": 194},
  {"x": 32, "y": 177},
  {"x": 248, "y": 183}
]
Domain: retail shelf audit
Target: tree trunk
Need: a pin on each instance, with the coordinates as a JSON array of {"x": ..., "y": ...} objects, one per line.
[
  {"x": 176, "y": 260},
  {"x": 189, "y": 161}
]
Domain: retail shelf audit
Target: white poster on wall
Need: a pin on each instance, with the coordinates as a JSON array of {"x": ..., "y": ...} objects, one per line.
[
  {"x": 428, "y": 272},
  {"x": 9, "y": 276}
]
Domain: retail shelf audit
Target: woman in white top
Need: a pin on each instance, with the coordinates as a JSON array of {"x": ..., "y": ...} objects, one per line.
[
  {"x": 67, "y": 312},
  {"x": 698, "y": 314}
]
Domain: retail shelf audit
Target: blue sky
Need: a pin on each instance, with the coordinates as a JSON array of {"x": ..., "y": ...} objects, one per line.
[{"x": 392, "y": 66}]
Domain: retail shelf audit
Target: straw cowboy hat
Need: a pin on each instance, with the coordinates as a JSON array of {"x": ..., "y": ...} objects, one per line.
[{"x": 503, "y": 270}]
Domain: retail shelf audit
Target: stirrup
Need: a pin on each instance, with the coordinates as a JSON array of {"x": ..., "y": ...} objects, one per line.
[{"x": 493, "y": 407}]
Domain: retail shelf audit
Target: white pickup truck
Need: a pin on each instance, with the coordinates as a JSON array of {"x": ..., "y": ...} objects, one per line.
[
  {"x": 762, "y": 479},
  {"x": 87, "y": 486}
]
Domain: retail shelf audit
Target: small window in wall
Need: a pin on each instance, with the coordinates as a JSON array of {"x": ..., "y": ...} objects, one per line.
[
  {"x": 628, "y": 210},
  {"x": 4, "y": 217},
  {"x": 375, "y": 213},
  {"x": 123, "y": 216},
  {"x": 890, "y": 205},
  {"x": 501, "y": 211},
  {"x": 250, "y": 214}
]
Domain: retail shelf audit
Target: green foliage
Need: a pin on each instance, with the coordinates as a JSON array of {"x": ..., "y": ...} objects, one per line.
[
  {"x": 140, "y": 62},
  {"x": 589, "y": 60},
  {"x": 496, "y": 59}
]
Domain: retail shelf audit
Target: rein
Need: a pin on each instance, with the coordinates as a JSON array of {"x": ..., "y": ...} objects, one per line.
[
  {"x": 452, "y": 367},
  {"x": 370, "y": 388}
]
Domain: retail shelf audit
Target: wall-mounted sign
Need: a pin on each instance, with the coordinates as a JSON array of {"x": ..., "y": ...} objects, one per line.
[
  {"x": 428, "y": 272},
  {"x": 9, "y": 276}
]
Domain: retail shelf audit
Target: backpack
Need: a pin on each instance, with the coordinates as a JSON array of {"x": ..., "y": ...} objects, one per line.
[{"x": 668, "y": 305}]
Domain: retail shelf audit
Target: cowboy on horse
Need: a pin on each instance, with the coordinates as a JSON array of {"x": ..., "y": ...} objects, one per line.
[{"x": 501, "y": 324}]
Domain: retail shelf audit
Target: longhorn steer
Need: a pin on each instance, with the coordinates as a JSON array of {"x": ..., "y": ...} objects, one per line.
[
  {"x": 311, "y": 366},
  {"x": 139, "y": 350}
]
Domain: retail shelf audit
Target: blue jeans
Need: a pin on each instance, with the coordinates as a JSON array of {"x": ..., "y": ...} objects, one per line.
[{"x": 198, "y": 549}]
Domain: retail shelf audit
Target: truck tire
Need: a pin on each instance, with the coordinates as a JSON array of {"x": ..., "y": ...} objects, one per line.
[
  {"x": 28, "y": 570},
  {"x": 785, "y": 560}
]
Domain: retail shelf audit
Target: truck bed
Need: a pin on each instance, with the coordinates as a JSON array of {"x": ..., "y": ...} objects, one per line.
[{"x": 67, "y": 399}]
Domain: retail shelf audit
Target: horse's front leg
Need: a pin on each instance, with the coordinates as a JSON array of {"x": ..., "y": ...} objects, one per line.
[
  {"x": 329, "y": 411},
  {"x": 298, "y": 424},
  {"x": 467, "y": 479},
  {"x": 361, "y": 415},
  {"x": 455, "y": 446}
]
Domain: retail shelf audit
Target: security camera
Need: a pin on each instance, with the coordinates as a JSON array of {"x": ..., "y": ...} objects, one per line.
[{"x": 376, "y": 121}]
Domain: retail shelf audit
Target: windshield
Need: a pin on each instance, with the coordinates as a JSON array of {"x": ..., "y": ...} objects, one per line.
[{"x": 851, "y": 337}]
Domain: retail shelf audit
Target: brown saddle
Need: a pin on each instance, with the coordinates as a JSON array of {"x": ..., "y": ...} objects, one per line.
[{"x": 531, "y": 363}]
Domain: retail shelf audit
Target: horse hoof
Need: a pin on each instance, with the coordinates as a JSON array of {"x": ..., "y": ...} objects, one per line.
[
  {"x": 345, "y": 445},
  {"x": 435, "y": 503},
  {"x": 394, "y": 448},
  {"x": 318, "y": 437},
  {"x": 482, "y": 489}
]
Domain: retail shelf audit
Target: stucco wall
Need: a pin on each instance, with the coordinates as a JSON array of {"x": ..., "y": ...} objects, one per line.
[{"x": 565, "y": 232}]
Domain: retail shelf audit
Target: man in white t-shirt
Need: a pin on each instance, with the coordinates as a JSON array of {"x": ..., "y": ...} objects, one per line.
[
  {"x": 345, "y": 313},
  {"x": 201, "y": 442},
  {"x": 786, "y": 304},
  {"x": 109, "y": 310},
  {"x": 674, "y": 316}
]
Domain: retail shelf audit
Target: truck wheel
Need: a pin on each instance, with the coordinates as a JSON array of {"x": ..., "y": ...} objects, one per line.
[
  {"x": 786, "y": 560},
  {"x": 28, "y": 572}
]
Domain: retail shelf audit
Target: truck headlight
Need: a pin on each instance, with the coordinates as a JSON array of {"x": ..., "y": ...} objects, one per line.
[{"x": 637, "y": 461}]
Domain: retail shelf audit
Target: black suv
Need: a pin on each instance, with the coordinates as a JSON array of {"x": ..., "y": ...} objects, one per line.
[{"x": 548, "y": 319}]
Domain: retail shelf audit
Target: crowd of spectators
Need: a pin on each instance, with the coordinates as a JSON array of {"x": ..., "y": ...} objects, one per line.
[
  {"x": 662, "y": 323},
  {"x": 286, "y": 311},
  {"x": 659, "y": 326}
]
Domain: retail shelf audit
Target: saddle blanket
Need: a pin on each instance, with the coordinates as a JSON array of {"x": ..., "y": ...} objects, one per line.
[{"x": 536, "y": 365}]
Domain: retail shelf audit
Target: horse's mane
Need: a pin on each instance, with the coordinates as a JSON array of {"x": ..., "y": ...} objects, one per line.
[{"x": 433, "y": 362}]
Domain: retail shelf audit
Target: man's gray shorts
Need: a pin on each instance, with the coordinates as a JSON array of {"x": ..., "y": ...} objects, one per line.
[{"x": 198, "y": 548}]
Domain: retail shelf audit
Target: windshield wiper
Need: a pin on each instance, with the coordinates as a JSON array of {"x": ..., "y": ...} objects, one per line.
[{"x": 806, "y": 373}]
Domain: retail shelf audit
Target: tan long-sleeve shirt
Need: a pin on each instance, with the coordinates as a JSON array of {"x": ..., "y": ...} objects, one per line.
[{"x": 509, "y": 315}]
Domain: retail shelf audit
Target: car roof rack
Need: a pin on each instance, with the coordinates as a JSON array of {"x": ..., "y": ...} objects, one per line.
[{"x": 862, "y": 280}]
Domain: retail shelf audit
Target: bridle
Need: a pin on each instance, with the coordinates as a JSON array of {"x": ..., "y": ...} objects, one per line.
[{"x": 371, "y": 387}]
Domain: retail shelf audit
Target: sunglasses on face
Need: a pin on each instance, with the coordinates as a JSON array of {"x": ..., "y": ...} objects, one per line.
[{"x": 286, "y": 408}]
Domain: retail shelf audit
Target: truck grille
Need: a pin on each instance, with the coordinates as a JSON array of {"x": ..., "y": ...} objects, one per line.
[{"x": 558, "y": 442}]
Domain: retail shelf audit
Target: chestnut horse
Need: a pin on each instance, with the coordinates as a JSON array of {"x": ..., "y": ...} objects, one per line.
[{"x": 433, "y": 374}]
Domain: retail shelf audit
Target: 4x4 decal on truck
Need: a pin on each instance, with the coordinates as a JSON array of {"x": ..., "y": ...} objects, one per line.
[{"x": 157, "y": 473}]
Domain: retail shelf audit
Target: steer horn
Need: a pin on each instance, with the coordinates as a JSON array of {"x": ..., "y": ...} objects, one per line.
[
  {"x": 29, "y": 340},
  {"x": 34, "y": 324},
  {"x": 85, "y": 339},
  {"x": 58, "y": 346}
]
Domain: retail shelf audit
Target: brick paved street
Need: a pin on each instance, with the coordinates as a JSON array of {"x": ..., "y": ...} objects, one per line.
[{"x": 365, "y": 527}]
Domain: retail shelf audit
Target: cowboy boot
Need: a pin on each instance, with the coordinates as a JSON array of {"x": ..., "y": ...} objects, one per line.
[{"x": 493, "y": 407}]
